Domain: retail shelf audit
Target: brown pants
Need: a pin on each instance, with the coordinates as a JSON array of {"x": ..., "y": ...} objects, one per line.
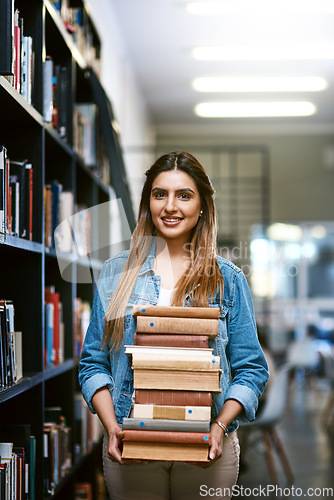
[{"x": 174, "y": 480}]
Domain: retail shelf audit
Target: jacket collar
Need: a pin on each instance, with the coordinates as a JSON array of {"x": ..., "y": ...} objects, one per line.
[{"x": 148, "y": 264}]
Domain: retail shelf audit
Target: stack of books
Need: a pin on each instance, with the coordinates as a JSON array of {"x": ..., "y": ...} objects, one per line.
[{"x": 175, "y": 374}]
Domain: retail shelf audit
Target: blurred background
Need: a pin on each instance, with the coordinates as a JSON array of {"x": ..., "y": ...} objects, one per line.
[{"x": 248, "y": 88}]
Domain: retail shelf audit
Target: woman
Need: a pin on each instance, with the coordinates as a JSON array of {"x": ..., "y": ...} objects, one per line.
[{"x": 172, "y": 261}]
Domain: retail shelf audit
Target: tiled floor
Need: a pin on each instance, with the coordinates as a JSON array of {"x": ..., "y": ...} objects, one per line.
[{"x": 308, "y": 445}]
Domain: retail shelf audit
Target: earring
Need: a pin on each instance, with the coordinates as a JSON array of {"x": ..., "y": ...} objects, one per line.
[{"x": 201, "y": 212}]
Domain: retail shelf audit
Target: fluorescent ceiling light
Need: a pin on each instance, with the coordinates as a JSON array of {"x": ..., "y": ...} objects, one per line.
[
  {"x": 263, "y": 52},
  {"x": 254, "y": 109},
  {"x": 263, "y": 7},
  {"x": 262, "y": 84}
]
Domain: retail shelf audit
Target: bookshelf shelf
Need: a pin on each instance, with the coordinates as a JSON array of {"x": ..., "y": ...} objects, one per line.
[
  {"x": 16, "y": 105},
  {"x": 43, "y": 148},
  {"x": 21, "y": 243}
]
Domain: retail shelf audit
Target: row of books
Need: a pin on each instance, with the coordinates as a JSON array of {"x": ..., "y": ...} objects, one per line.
[
  {"x": 88, "y": 141},
  {"x": 16, "y": 196},
  {"x": 55, "y": 96},
  {"x": 79, "y": 26},
  {"x": 57, "y": 448},
  {"x": 54, "y": 328},
  {"x": 18, "y": 462},
  {"x": 173, "y": 382},
  {"x": 22, "y": 64},
  {"x": 10, "y": 346},
  {"x": 67, "y": 225}
]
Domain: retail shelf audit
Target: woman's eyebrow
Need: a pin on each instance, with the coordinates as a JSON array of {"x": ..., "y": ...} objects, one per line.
[{"x": 177, "y": 190}]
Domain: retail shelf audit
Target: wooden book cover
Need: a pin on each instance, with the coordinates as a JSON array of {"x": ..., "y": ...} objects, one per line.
[
  {"x": 182, "y": 380},
  {"x": 151, "y": 424},
  {"x": 166, "y": 451},
  {"x": 172, "y": 412},
  {"x": 173, "y": 398},
  {"x": 171, "y": 340},
  {"x": 167, "y": 325},
  {"x": 176, "y": 312}
]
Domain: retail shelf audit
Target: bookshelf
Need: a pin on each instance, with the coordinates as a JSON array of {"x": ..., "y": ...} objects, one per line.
[{"x": 70, "y": 40}]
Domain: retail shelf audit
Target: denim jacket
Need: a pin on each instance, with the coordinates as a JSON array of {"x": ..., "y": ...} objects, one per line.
[{"x": 244, "y": 368}]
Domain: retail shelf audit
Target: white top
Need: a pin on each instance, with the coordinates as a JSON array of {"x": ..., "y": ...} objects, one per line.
[{"x": 165, "y": 297}]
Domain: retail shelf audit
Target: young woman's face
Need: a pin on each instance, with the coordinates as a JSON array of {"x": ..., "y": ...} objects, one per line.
[{"x": 175, "y": 205}]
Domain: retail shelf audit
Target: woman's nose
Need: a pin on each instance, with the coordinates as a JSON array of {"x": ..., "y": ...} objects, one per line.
[{"x": 170, "y": 204}]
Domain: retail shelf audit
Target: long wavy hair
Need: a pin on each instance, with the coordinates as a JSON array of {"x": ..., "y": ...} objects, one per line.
[{"x": 201, "y": 279}]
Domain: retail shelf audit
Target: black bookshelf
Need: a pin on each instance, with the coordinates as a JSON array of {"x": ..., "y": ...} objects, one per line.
[{"x": 30, "y": 265}]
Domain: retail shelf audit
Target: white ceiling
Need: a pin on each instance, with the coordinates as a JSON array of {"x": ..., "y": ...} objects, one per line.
[{"x": 159, "y": 35}]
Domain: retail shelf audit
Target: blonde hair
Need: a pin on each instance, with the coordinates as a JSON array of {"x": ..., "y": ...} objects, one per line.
[{"x": 202, "y": 278}]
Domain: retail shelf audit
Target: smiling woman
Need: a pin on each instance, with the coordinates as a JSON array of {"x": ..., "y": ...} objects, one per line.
[{"x": 173, "y": 247}]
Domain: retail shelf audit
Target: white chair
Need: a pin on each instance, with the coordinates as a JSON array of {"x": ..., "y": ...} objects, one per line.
[{"x": 266, "y": 422}]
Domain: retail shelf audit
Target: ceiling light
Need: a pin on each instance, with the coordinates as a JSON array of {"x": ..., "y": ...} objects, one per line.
[
  {"x": 254, "y": 109},
  {"x": 262, "y": 84},
  {"x": 263, "y": 52},
  {"x": 261, "y": 7}
]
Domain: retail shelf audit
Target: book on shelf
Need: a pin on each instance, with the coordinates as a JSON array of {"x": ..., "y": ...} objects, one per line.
[
  {"x": 178, "y": 340},
  {"x": 82, "y": 230},
  {"x": 85, "y": 132},
  {"x": 48, "y": 89},
  {"x": 58, "y": 216},
  {"x": 60, "y": 88},
  {"x": 152, "y": 411},
  {"x": 165, "y": 445},
  {"x": 175, "y": 425},
  {"x": 57, "y": 454},
  {"x": 21, "y": 188},
  {"x": 82, "y": 315},
  {"x": 173, "y": 398},
  {"x": 54, "y": 331},
  {"x": 10, "y": 346},
  {"x": 83, "y": 491},
  {"x": 88, "y": 426},
  {"x": 19, "y": 445},
  {"x": 21, "y": 66}
]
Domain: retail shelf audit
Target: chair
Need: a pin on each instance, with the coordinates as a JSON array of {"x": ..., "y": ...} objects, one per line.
[{"x": 266, "y": 422}]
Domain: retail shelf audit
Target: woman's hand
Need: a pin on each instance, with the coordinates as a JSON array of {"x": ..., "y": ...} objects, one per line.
[
  {"x": 115, "y": 445},
  {"x": 216, "y": 442}
]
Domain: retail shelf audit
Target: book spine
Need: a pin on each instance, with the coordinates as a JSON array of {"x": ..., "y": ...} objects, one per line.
[
  {"x": 173, "y": 398},
  {"x": 3, "y": 156},
  {"x": 150, "y": 424},
  {"x": 193, "y": 326},
  {"x": 176, "y": 311},
  {"x": 143, "y": 339},
  {"x": 166, "y": 436},
  {"x": 47, "y": 90}
]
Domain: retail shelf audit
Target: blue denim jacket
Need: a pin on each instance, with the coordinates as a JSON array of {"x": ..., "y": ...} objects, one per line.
[{"x": 245, "y": 371}]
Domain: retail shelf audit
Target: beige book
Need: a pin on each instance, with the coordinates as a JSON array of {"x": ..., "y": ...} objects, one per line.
[
  {"x": 177, "y": 362},
  {"x": 172, "y": 412},
  {"x": 183, "y": 380},
  {"x": 166, "y": 451}
]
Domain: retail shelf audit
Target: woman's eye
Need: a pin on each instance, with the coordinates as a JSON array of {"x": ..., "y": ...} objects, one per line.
[
  {"x": 184, "y": 196},
  {"x": 159, "y": 195}
]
